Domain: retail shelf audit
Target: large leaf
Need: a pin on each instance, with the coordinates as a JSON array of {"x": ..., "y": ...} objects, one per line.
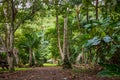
[
  {"x": 93, "y": 42},
  {"x": 87, "y": 26},
  {"x": 107, "y": 39}
]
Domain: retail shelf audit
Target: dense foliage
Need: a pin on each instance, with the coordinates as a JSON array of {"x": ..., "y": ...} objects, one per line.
[{"x": 84, "y": 31}]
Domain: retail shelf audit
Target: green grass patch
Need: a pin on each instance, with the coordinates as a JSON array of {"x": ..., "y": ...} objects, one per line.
[
  {"x": 49, "y": 64},
  {"x": 18, "y": 69}
]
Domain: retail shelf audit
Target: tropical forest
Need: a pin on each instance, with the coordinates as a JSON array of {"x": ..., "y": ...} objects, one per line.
[{"x": 59, "y": 39}]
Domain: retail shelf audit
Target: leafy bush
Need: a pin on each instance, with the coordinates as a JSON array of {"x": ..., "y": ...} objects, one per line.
[{"x": 110, "y": 70}]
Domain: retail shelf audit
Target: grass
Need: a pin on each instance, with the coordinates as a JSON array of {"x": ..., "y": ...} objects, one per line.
[
  {"x": 16, "y": 69},
  {"x": 49, "y": 64}
]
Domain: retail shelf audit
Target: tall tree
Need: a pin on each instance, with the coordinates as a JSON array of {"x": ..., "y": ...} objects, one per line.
[
  {"x": 58, "y": 30},
  {"x": 66, "y": 61},
  {"x": 63, "y": 50},
  {"x": 14, "y": 17}
]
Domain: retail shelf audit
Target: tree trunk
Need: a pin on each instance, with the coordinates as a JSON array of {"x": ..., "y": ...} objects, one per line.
[
  {"x": 65, "y": 52},
  {"x": 15, "y": 52},
  {"x": 78, "y": 18},
  {"x": 66, "y": 61},
  {"x": 87, "y": 16},
  {"x": 58, "y": 34},
  {"x": 35, "y": 61},
  {"x": 96, "y": 9},
  {"x": 30, "y": 56},
  {"x": 9, "y": 46},
  {"x": 9, "y": 11},
  {"x": 10, "y": 53},
  {"x": 79, "y": 58}
]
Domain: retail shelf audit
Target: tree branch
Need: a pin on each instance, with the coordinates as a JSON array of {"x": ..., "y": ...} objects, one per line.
[
  {"x": 25, "y": 18},
  {"x": 21, "y": 21},
  {"x": 34, "y": 10}
]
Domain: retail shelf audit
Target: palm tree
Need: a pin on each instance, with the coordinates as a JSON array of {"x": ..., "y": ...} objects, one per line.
[{"x": 32, "y": 41}]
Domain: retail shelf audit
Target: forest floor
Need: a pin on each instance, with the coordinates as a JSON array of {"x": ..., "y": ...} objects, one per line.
[{"x": 52, "y": 73}]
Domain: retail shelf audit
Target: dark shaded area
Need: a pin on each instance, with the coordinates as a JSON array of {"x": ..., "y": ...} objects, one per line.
[{"x": 4, "y": 64}]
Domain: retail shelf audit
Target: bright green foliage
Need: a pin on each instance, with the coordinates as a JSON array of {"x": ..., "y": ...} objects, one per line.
[
  {"x": 18, "y": 69},
  {"x": 48, "y": 64}
]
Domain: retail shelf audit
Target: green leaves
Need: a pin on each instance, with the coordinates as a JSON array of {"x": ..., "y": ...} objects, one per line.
[
  {"x": 88, "y": 25},
  {"x": 110, "y": 70},
  {"x": 76, "y": 2},
  {"x": 92, "y": 42},
  {"x": 86, "y": 2},
  {"x": 96, "y": 41},
  {"x": 107, "y": 39}
]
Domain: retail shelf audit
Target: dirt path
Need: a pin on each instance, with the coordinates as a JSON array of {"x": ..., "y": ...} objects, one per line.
[{"x": 50, "y": 73}]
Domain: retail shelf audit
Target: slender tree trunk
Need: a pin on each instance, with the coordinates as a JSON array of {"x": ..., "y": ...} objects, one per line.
[
  {"x": 96, "y": 9},
  {"x": 78, "y": 18},
  {"x": 35, "y": 61},
  {"x": 66, "y": 61},
  {"x": 65, "y": 37},
  {"x": 58, "y": 33},
  {"x": 87, "y": 16},
  {"x": 77, "y": 9},
  {"x": 90, "y": 56},
  {"x": 30, "y": 56},
  {"x": 7, "y": 43}
]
